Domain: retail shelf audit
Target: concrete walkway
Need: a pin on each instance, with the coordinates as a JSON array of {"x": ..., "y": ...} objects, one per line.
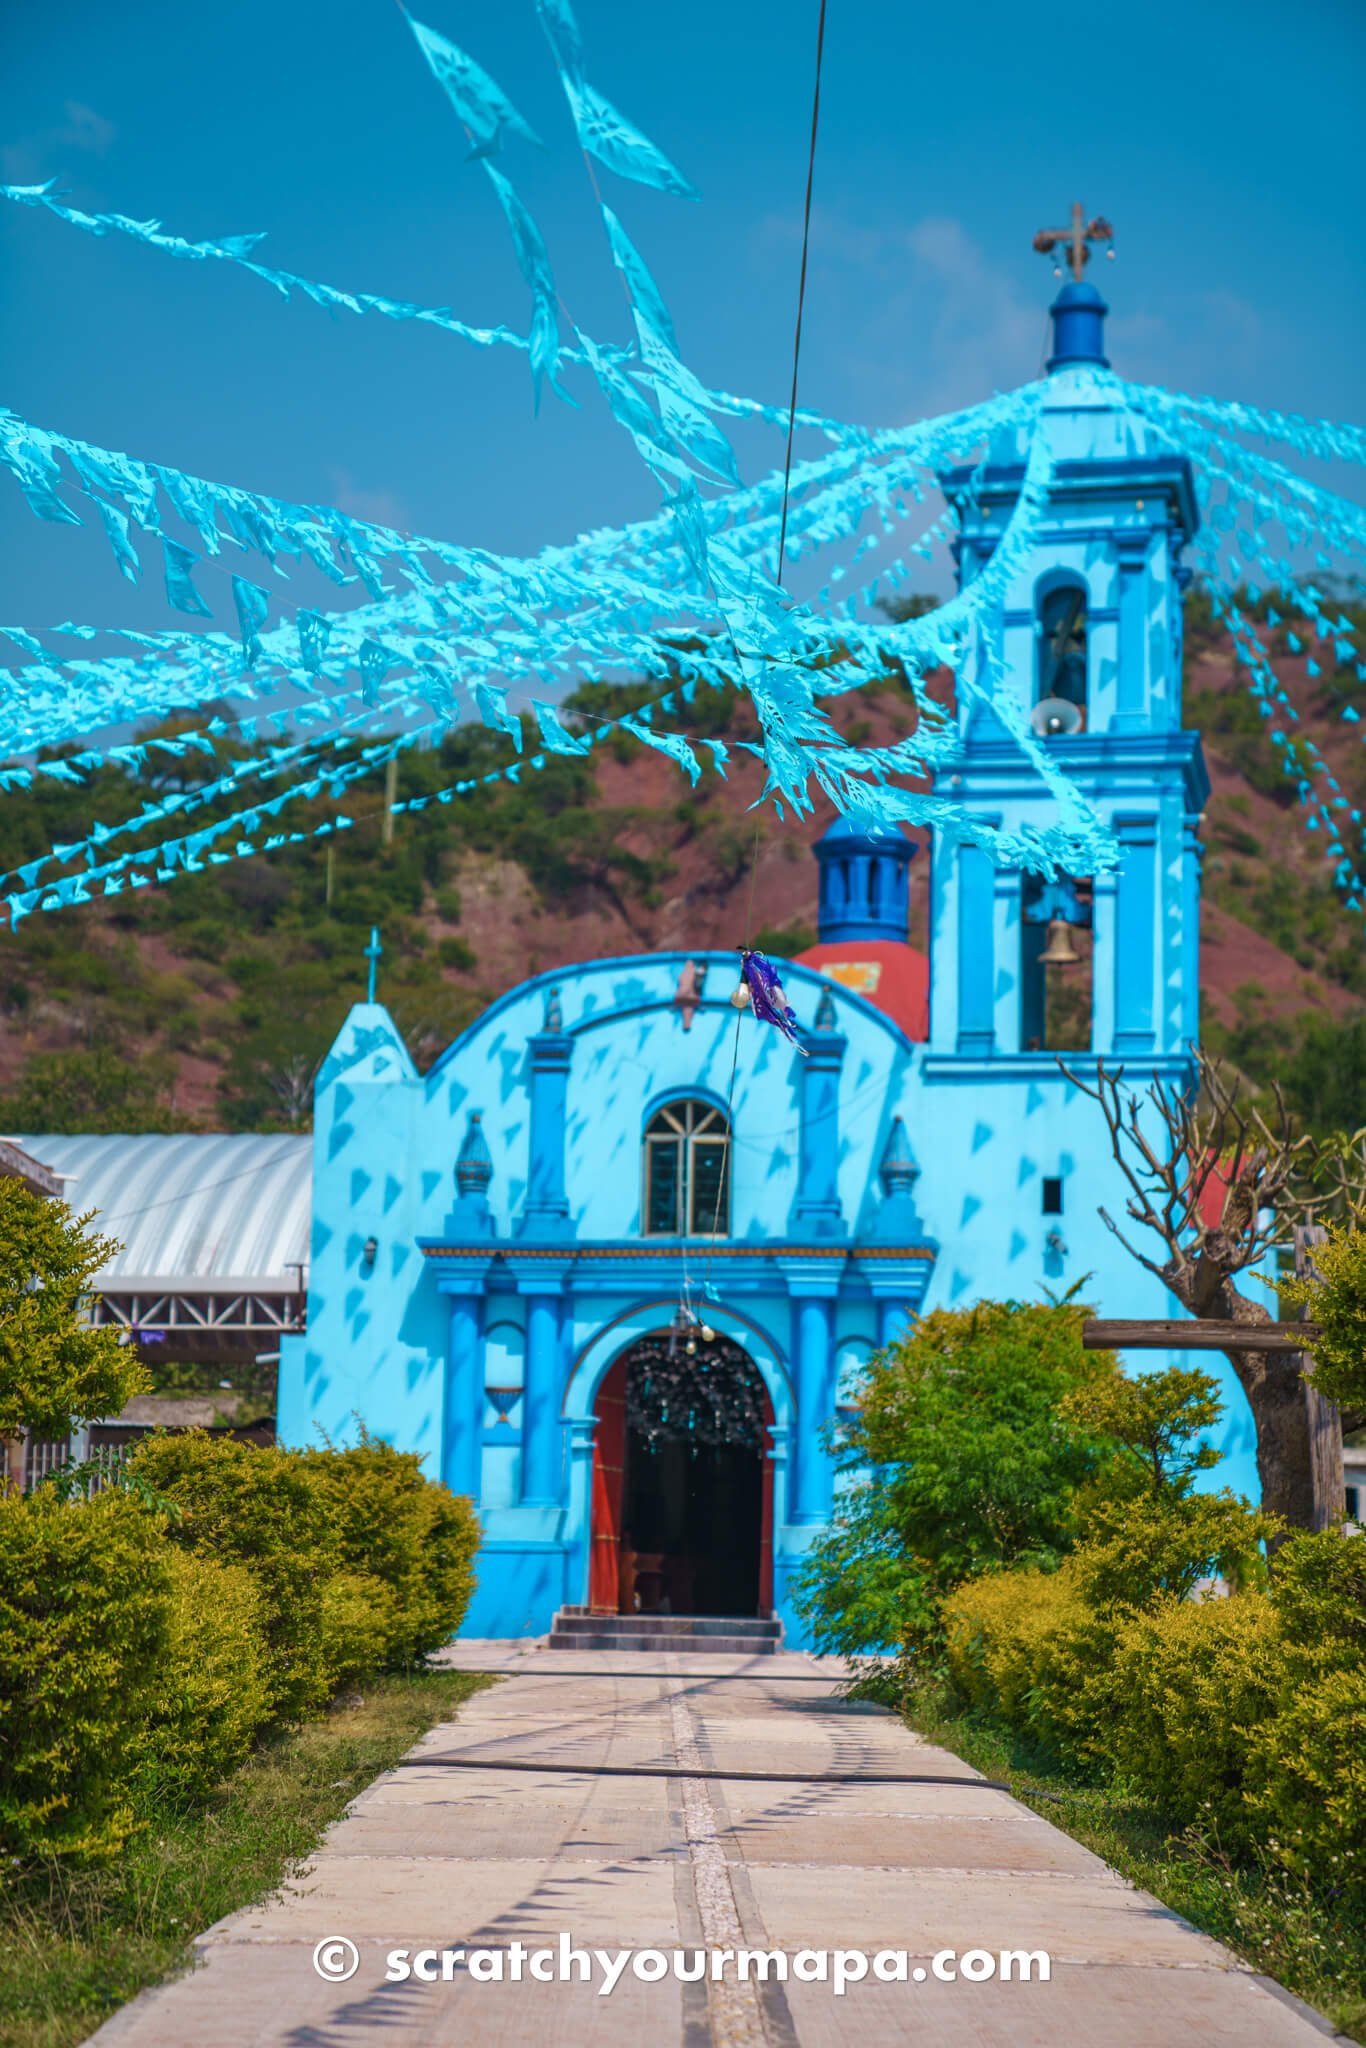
[{"x": 436, "y": 1856}]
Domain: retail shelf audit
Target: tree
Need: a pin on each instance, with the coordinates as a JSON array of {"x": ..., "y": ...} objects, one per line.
[
  {"x": 1157, "y": 1420},
  {"x": 56, "y": 1369},
  {"x": 1215, "y": 1180},
  {"x": 88, "y": 1090},
  {"x": 1334, "y": 1295},
  {"x": 965, "y": 1457}
]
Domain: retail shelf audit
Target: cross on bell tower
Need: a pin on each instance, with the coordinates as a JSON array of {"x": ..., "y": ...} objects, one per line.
[
  {"x": 372, "y": 954},
  {"x": 1077, "y": 238}
]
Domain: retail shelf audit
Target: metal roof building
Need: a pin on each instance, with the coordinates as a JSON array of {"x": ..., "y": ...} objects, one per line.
[{"x": 213, "y": 1230}]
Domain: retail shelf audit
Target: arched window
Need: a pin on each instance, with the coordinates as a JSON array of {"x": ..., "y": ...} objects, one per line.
[
  {"x": 1062, "y": 644},
  {"x": 687, "y": 1172}
]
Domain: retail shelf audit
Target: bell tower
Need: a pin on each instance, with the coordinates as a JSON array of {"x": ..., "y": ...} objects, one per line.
[{"x": 1089, "y": 641}]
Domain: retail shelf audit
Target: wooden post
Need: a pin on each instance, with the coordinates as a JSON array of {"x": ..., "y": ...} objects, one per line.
[
  {"x": 1324, "y": 1416},
  {"x": 386, "y": 835}
]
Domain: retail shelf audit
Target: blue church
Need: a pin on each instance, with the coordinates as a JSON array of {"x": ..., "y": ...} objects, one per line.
[{"x": 616, "y": 1261}]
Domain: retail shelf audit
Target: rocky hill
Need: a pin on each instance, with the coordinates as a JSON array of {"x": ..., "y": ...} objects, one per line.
[{"x": 208, "y": 1004}]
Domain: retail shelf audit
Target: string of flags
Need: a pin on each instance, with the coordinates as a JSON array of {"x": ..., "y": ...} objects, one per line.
[{"x": 425, "y": 634}]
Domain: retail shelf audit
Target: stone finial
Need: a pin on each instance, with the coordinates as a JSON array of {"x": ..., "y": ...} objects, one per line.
[
  {"x": 692, "y": 983},
  {"x": 898, "y": 1171},
  {"x": 825, "y": 1011},
  {"x": 554, "y": 1015},
  {"x": 474, "y": 1163}
]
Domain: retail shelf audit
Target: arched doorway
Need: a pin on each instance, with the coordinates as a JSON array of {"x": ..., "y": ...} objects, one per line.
[{"x": 682, "y": 1517}]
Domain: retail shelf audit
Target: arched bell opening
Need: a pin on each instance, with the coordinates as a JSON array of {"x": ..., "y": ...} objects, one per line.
[{"x": 682, "y": 1510}]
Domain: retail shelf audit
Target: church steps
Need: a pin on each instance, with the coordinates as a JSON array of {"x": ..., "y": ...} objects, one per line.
[{"x": 728, "y": 1635}]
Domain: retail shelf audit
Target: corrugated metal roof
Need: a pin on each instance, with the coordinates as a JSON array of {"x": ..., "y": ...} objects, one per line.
[{"x": 189, "y": 1210}]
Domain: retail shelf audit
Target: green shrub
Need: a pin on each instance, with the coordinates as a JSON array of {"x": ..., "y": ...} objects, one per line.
[
  {"x": 354, "y": 1626},
  {"x": 1192, "y": 1685},
  {"x": 410, "y": 1533},
  {"x": 84, "y": 1613},
  {"x": 213, "y": 1690},
  {"x": 977, "y": 1462},
  {"x": 261, "y": 1509}
]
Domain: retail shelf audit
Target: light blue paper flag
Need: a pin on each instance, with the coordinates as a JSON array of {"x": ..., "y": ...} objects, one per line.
[
  {"x": 647, "y": 301},
  {"x": 562, "y": 31},
  {"x": 253, "y": 607},
  {"x": 493, "y": 709},
  {"x": 116, "y": 531},
  {"x": 615, "y": 142},
  {"x": 314, "y": 633},
  {"x": 670, "y": 743},
  {"x": 554, "y": 734},
  {"x": 534, "y": 265},
  {"x": 482, "y": 106},
  {"x": 181, "y": 594}
]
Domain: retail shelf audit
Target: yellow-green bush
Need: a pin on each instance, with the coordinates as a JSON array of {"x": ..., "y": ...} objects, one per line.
[
  {"x": 1192, "y": 1684},
  {"x": 1306, "y": 1793},
  {"x": 213, "y": 1691},
  {"x": 259, "y": 1508},
  {"x": 1320, "y": 1595},
  {"x": 412, "y": 1534},
  {"x": 355, "y": 1627},
  {"x": 1136, "y": 1552},
  {"x": 1025, "y": 1647},
  {"x": 149, "y": 1633},
  {"x": 1306, "y": 1774},
  {"x": 84, "y": 1620}
]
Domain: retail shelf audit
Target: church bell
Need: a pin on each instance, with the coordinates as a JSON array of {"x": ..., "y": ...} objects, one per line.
[{"x": 1058, "y": 948}]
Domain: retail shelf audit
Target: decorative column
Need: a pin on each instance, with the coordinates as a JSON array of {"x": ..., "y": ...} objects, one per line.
[
  {"x": 461, "y": 1278},
  {"x": 1193, "y": 855},
  {"x": 976, "y": 952},
  {"x": 541, "y": 1281},
  {"x": 812, "y": 1285},
  {"x": 545, "y": 1212},
  {"x": 780, "y": 1435},
  {"x": 579, "y": 1519},
  {"x": 817, "y": 1211},
  {"x": 1135, "y": 934},
  {"x": 463, "y": 1422},
  {"x": 1131, "y": 701}
]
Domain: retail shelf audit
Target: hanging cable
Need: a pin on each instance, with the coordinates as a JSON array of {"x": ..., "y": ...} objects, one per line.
[{"x": 801, "y": 287}]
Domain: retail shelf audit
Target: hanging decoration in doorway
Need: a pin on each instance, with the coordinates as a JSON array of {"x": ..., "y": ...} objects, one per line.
[
  {"x": 288, "y": 702},
  {"x": 710, "y": 1395}
]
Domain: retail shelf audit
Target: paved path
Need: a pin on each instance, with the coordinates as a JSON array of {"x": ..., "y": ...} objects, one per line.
[{"x": 437, "y": 1856}]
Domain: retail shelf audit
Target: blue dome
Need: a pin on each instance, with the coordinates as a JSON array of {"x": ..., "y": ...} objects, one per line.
[
  {"x": 1078, "y": 326},
  {"x": 865, "y": 889},
  {"x": 845, "y": 834}
]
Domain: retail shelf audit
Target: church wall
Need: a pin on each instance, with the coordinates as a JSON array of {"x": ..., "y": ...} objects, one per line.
[{"x": 376, "y": 1341}]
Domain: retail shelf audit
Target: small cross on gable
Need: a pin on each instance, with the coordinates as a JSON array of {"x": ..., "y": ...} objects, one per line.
[{"x": 372, "y": 954}]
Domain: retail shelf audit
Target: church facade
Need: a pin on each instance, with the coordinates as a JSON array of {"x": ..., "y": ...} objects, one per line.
[{"x": 615, "y": 1263}]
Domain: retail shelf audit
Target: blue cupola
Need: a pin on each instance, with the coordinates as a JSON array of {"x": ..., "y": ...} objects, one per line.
[
  {"x": 1078, "y": 327},
  {"x": 865, "y": 884}
]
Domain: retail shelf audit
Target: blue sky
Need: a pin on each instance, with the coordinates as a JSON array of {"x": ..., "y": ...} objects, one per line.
[{"x": 1217, "y": 137}]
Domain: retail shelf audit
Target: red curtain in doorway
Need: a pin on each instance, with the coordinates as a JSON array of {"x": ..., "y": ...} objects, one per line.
[{"x": 609, "y": 1464}]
